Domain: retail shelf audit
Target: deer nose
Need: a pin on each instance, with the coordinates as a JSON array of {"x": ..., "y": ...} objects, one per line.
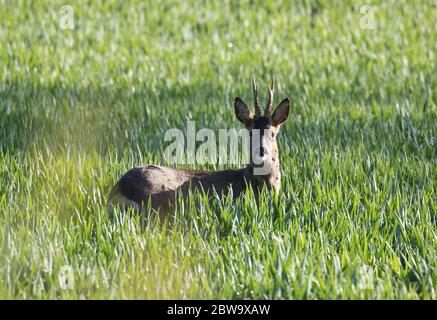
[{"x": 262, "y": 151}]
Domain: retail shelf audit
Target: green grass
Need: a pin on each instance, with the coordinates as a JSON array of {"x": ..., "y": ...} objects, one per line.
[{"x": 357, "y": 214}]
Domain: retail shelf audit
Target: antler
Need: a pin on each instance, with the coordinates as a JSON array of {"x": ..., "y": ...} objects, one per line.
[
  {"x": 255, "y": 98},
  {"x": 268, "y": 108}
]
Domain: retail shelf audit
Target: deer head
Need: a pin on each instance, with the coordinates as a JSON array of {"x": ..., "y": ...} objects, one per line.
[{"x": 263, "y": 129}]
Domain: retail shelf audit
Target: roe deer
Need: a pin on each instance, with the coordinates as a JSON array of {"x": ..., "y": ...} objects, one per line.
[{"x": 160, "y": 185}]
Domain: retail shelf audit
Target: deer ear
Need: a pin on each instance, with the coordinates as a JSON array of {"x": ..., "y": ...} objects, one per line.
[
  {"x": 242, "y": 111},
  {"x": 281, "y": 113}
]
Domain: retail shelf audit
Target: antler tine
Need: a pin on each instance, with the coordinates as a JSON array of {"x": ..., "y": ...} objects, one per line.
[
  {"x": 255, "y": 98},
  {"x": 268, "y": 108}
]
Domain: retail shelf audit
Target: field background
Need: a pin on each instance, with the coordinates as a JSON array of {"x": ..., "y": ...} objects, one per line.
[{"x": 357, "y": 213}]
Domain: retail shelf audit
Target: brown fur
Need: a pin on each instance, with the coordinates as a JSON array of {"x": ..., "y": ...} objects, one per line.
[{"x": 161, "y": 185}]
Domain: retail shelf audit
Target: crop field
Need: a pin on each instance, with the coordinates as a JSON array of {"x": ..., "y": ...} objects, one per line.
[{"x": 88, "y": 90}]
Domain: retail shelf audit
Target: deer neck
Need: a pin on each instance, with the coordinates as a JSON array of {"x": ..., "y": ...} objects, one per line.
[{"x": 271, "y": 180}]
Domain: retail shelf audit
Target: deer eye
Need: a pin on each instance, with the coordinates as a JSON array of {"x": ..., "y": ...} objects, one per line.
[{"x": 273, "y": 134}]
